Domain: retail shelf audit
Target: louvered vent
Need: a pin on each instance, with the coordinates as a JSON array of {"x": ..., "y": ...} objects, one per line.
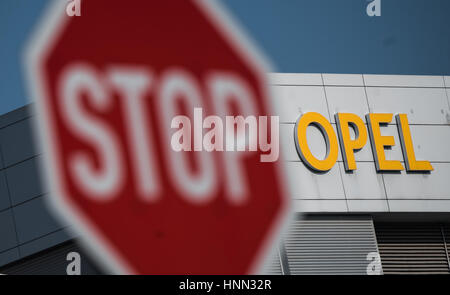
[
  {"x": 412, "y": 248},
  {"x": 330, "y": 245},
  {"x": 273, "y": 266},
  {"x": 50, "y": 262}
]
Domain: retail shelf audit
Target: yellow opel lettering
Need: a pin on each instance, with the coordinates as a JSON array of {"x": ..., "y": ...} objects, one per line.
[
  {"x": 379, "y": 142},
  {"x": 408, "y": 148},
  {"x": 349, "y": 146},
  {"x": 301, "y": 142}
]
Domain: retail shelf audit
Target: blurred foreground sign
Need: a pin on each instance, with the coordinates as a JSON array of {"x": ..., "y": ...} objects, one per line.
[{"x": 108, "y": 85}]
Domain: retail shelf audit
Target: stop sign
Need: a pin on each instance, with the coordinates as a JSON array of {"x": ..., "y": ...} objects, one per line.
[{"x": 107, "y": 84}]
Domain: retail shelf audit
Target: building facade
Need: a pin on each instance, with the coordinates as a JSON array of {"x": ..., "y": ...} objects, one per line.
[{"x": 366, "y": 220}]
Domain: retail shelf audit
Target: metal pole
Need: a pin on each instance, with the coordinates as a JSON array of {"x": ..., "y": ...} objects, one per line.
[
  {"x": 445, "y": 245},
  {"x": 283, "y": 259}
]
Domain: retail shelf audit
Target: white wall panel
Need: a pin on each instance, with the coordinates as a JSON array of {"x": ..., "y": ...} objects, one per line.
[
  {"x": 435, "y": 185},
  {"x": 367, "y": 205},
  {"x": 403, "y": 81},
  {"x": 363, "y": 183},
  {"x": 422, "y": 105},
  {"x": 287, "y": 143},
  {"x": 304, "y": 184},
  {"x": 291, "y": 101},
  {"x": 347, "y": 100},
  {"x": 343, "y": 79},
  {"x": 419, "y": 205},
  {"x": 447, "y": 81},
  {"x": 431, "y": 142},
  {"x": 295, "y": 79},
  {"x": 312, "y": 206}
]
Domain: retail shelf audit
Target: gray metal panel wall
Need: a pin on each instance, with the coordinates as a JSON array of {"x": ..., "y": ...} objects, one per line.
[
  {"x": 407, "y": 248},
  {"x": 330, "y": 245},
  {"x": 26, "y": 225}
]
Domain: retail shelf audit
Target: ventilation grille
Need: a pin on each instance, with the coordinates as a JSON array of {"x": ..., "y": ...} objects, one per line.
[
  {"x": 330, "y": 246},
  {"x": 50, "y": 262},
  {"x": 412, "y": 249}
]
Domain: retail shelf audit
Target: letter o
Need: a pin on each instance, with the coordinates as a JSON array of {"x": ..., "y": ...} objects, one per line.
[{"x": 301, "y": 143}]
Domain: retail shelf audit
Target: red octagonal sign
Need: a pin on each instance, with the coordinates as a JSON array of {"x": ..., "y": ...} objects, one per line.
[{"x": 108, "y": 86}]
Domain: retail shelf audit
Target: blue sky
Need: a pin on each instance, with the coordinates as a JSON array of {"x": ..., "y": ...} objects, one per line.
[{"x": 311, "y": 36}]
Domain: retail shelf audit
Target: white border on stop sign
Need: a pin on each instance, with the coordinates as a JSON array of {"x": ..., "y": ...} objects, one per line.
[{"x": 46, "y": 33}]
